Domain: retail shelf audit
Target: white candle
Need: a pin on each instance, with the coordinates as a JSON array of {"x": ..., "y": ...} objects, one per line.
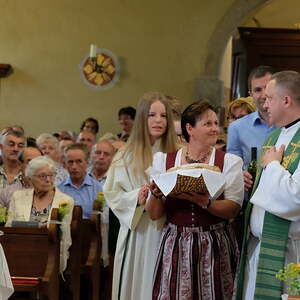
[{"x": 93, "y": 49}]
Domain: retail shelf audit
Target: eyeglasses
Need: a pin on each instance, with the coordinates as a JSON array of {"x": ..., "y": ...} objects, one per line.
[
  {"x": 45, "y": 176},
  {"x": 89, "y": 127}
]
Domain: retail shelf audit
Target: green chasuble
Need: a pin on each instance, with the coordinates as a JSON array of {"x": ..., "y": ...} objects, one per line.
[{"x": 275, "y": 231}]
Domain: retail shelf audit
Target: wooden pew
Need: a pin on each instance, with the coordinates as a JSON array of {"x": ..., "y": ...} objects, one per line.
[
  {"x": 72, "y": 272},
  {"x": 91, "y": 253},
  {"x": 32, "y": 255}
]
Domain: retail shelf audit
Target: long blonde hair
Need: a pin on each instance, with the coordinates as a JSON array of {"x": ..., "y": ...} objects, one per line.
[{"x": 138, "y": 147}]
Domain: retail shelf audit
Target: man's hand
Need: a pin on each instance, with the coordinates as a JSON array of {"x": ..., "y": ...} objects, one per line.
[
  {"x": 248, "y": 180},
  {"x": 143, "y": 194},
  {"x": 271, "y": 155}
]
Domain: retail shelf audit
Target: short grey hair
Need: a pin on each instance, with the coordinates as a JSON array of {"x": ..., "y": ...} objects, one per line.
[
  {"x": 37, "y": 163},
  {"x": 108, "y": 142},
  {"x": 76, "y": 146},
  {"x": 289, "y": 80},
  {"x": 45, "y": 137},
  {"x": 14, "y": 133}
]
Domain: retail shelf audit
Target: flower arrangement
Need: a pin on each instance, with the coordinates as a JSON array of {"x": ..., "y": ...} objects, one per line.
[
  {"x": 3, "y": 215},
  {"x": 63, "y": 210},
  {"x": 291, "y": 274},
  {"x": 101, "y": 200}
]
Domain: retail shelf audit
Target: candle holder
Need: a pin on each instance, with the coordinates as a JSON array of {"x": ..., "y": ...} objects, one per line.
[{"x": 100, "y": 69}]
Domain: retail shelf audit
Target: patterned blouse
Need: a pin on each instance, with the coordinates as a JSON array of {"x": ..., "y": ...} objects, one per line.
[{"x": 40, "y": 216}]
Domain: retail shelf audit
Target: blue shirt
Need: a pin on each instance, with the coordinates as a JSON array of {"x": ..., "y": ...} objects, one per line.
[
  {"x": 83, "y": 195},
  {"x": 101, "y": 180},
  {"x": 245, "y": 133}
]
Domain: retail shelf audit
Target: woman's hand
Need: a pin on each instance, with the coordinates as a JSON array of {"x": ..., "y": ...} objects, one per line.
[
  {"x": 155, "y": 204},
  {"x": 155, "y": 191},
  {"x": 197, "y": 198},
  {"x": 143, "y": 194}
]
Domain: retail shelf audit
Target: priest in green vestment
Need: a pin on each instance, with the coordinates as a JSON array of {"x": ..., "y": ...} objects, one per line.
[{"x": 272, "y": 233}]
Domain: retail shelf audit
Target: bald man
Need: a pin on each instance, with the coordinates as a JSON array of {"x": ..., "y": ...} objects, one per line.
[{"x": 101, "y": 158}]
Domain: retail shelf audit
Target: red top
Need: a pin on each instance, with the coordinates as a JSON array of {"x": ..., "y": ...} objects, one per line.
[{"x": 185, "y": 213}]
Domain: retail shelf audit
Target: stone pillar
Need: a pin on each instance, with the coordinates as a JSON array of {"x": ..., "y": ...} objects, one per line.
[{"x": 210, "y": 89}]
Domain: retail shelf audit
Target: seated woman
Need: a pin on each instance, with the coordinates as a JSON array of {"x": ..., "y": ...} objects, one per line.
[
  {"x": 90, "y": 124},
  {"x": 35, "y": 204},
  {"x": 49, "y": 145},
  {"x": 126, "y": 120},
  {"x": 198, "y": 254}
]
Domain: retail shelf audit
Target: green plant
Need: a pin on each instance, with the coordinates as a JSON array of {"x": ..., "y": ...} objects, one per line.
[
  {"x": 3, "y": 214},
  {"x": 101, "y": 200},
  {"x": 63, "y": 209},
  {"x": 291, "y": 275}
]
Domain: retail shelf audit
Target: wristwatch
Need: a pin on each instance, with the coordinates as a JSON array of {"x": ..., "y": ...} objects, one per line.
[{"x": 208, "y": 204}]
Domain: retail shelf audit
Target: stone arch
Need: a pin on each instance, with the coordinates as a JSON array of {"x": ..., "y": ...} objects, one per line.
[
  {"x": 209, "y": 86},
  {"x": 239, "y": 10}
]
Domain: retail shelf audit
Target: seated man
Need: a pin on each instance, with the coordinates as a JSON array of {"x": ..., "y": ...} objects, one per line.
[
  {"x": 87, "y": 138},
  {"x": 101, "y": 158},
  {"x": 79, "y": 185},
  {"x": 65, "y": 136},
  {"x": 12, "y": 143},
  {"x": 25, "y": 157}
]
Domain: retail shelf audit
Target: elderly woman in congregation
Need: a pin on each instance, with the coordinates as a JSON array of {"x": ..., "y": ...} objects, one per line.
[{"x": 35, "y": 204}]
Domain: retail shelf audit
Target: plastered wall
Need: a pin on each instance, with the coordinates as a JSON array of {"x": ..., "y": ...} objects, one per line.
[
  {"x": 276, "y": 14},
  {"x": 162, "y": 45}
]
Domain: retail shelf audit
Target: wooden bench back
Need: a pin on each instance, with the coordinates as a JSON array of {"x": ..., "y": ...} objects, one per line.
[
  {"x": 76, "y": 234},
  {"x": 72, "y": 273},
  {"x": 33, "y": 254},
  {"x": 26, "y": 250},
  {"x": 91, "y": 252},
  {"x": 91, "y": 237}
]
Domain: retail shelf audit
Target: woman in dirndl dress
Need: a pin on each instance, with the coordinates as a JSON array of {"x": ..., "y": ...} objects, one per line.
[{"x": 198, "y": 254}]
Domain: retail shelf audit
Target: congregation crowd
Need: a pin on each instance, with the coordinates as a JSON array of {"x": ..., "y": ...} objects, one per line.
[{"x": 184, "y": 245}]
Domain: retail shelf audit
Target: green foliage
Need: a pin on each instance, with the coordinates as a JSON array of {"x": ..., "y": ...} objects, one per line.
[
  {"x": 291, "y": 275},
  {"x": 101, "y": 199},
  {"x": 3, "y": 214},
  {"x": 63, "y": 209}
]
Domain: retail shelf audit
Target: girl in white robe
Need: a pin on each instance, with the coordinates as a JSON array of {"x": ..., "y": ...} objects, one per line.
[{"x": 126, "y": 190}]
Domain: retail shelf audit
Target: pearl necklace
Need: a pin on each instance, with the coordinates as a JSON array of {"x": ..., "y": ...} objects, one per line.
[{"x": 190, "y": 160}]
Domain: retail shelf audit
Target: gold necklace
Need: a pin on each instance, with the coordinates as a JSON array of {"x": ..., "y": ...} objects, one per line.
[{"x": 190, "y": 160}]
